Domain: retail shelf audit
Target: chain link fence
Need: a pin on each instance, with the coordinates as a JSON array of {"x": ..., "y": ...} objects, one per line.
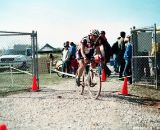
[
  {"x": 18, "y": 60},
  {"x": 146, "y": 56}
]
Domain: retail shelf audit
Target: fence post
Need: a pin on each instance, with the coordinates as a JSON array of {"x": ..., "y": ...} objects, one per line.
[
  {"x": 50, "y": 67},
  {"x": 155, "y": 41},
  {"x": 35, "y": 56},
  {"x": 11, "y": 74},
  {"x": 36, "y": 52}
]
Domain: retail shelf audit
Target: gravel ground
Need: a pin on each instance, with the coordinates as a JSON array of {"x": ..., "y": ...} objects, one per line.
[{"x": 61, "y": 107}]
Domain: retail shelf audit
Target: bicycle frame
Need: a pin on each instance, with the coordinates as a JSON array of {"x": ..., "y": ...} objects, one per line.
[{"x": 94, "y": 89}]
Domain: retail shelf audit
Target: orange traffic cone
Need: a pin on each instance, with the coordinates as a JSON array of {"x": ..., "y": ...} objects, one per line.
[
  {"x": 3, "y": 127},
  {"x": 34, "y": 84},
  {"x": 124, "y": 90},
  {"x": 103, "y": 77}
]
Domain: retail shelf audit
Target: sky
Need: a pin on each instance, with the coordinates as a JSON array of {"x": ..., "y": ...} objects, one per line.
[{"x": 57, "y": 21}]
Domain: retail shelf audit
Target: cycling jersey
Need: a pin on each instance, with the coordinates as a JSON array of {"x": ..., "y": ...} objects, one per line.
[{"x": 89, "y": 48}]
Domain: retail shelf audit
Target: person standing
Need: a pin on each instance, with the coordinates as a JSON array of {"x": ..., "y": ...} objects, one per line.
[
  {"x": 121, "y": 48},
  {"x": 73, "y": 64},
  {"x": 65, "y": 58},
  {"x": 115, "y": 52},
  {"x": 72, "y": 49},
  {"x": 127, "y": 58},
  {"x": 51, "y": 58},
  {"x": 105, "y": 49}
]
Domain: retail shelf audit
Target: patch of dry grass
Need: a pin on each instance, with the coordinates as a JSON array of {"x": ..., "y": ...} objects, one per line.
[{"x": 145, "y": 91}]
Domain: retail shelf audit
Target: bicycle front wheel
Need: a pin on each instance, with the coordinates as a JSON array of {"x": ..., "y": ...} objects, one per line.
[{"x": 94, "y": 84}]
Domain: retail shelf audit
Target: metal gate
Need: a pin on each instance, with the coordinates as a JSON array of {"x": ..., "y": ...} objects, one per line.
[
  {"x": 18, "y": 60},
  {"x": 146, "y": 56}
]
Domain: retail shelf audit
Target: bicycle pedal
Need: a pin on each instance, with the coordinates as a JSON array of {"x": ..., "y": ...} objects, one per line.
[{"x": 93, "y": 84}]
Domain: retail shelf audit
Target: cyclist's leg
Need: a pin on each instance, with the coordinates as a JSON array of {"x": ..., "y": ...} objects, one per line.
[
  {"x": 81, "y": 67},
  {"x": 80, "y": 71}
]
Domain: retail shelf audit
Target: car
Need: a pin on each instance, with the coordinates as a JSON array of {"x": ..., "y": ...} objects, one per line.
[{"x": 17, "y": 61}]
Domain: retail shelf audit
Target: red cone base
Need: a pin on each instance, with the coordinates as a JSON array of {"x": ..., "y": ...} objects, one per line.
[
  {"x": 124, "y": 90},
  {"x": 34, "y": 84},
  {"x": 3, "y": 127}
]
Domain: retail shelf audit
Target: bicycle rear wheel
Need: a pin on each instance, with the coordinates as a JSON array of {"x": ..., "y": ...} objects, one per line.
[{"x": 94, "y": 84}]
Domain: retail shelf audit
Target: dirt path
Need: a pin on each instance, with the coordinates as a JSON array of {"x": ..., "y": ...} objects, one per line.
[{"x": 60, "y": 107}]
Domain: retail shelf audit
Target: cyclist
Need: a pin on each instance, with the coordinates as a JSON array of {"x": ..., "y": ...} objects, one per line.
[{"x": 87, "y": 48}]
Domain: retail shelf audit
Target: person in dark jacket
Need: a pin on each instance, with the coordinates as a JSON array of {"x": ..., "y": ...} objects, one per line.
[
  {"x": 121, "y": 48},
  {"x": 72, "y": 49},
  {"x": 107, "y": 52},
  {"x": 115, "y": 51}
]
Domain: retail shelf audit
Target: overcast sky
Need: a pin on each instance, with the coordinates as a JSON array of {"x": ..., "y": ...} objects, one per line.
[{"x": 57, "y": 21}]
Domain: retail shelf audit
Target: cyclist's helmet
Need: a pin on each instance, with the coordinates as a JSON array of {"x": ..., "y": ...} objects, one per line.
[{"x": 95, "y": 32}]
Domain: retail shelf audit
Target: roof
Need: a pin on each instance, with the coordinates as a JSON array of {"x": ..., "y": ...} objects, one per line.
[{"x": 47, "y": 49}]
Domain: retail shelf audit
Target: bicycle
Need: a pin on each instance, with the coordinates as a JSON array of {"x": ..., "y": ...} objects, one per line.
[
  {"x": 58, "y": 70},
  {"x": 58, "y": 67},
  {"x": 92, "y": 79}
]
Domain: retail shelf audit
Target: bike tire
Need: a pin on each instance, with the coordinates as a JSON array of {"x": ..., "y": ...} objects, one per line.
[
  {"x": 82, "y": 86},
  {"x": 94, "y": 84}
]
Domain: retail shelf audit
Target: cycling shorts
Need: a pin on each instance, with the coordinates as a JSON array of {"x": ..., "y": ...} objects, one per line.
[{"x": 89, "y": 55}]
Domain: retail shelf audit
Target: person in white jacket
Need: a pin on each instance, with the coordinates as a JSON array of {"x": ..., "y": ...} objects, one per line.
[{"x": 65, "y": 58}]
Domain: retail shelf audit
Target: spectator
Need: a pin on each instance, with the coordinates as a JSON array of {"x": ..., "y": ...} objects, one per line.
[
  {"x": 127, "y": 57},
  {"x": 115, "y": 51},
  {"x": 121, "y": 48},
  {"x": 155, "y": 51},
  {"x": 65, "y": 58},
  {"x": 73, "y": 64},
  {"x": 105, "y": 49},
  {"x": 72, "y": 49},
  {"x": 51, "y": 58}
]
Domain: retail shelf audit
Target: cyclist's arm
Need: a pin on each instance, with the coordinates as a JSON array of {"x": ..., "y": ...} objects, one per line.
[{"x": 82, "y": 51}]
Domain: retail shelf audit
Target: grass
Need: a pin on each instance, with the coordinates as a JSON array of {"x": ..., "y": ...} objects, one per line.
[
  {"x": 16, "y": 83},
  {"x": 23, "y": 82},
  {"x": 145, "y": 92}
]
